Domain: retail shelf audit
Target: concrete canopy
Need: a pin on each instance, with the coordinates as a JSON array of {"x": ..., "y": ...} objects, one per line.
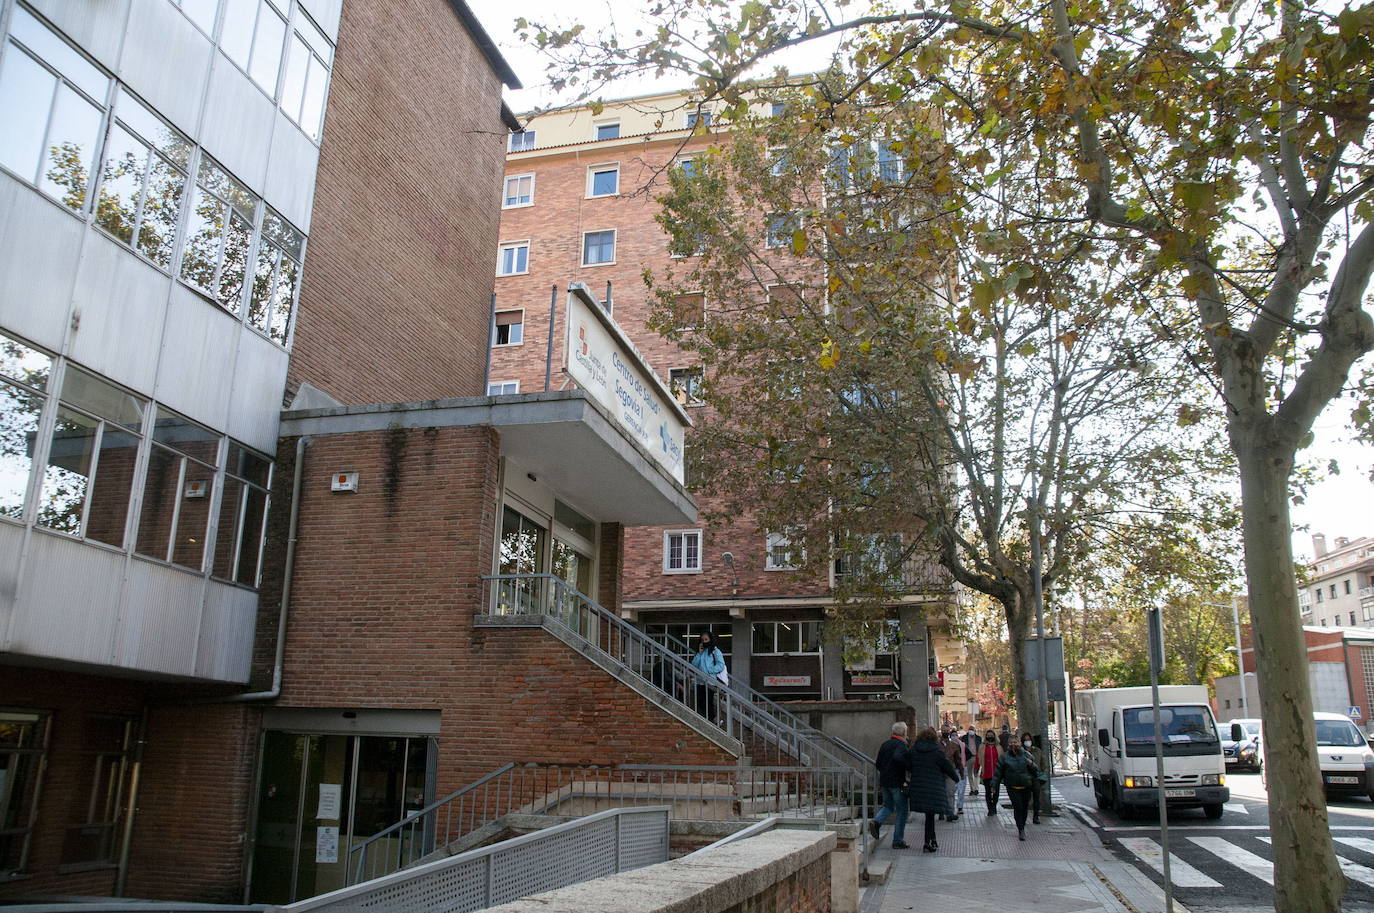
[{"x": 563, "y": 438}]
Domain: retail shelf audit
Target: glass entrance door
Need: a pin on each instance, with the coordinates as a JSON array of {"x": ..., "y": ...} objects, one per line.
[{"x": 322, "y": 794}]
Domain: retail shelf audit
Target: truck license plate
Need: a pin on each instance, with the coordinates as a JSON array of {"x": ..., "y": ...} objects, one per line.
[
  {"x": 1342, "y": 779},
  {"x": 1179, "y": 793}
]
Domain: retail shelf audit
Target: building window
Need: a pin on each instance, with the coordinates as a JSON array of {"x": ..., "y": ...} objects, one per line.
[
  {"x": 503, "y": 387},
  {"x": 598, "y": 247},
  {"x": 689, "y": 310},
  {"x": 686, "y": 166},
  {"x": 1347, "y": 586},
  {"x": 777, "y": 109},
  {"x": 785, "y": 637},
  {"x": 175, "y": 514},
  {"x": 698, "y": 118},
  {"x": 24, "y": 374},
  {"x": 143, "y": 181},
  {"x": 685, "y": 384},
  {"x": 91, "y": 457},
  {"x": 89, "y": 479},
  {"x": 1228, "y": 704},
  {"x": 603, "y": 180},
  {"x": 1333, "y": 591},
  {"x": 690, "y": 635},
  {"x": 107, "y": 746},
  {"x": 522, "y": 141},
  {"x": 682, "y": 551},
  {"x": 783, "y": 552},
  {"x": 509, "y": 329},
  {"x": 219, "y": 235},
  {"x": 23, "y": 745},
  {"x": 514, "y": 259},
  {"x": 202, "y": 12},
  {"x": 306, "y": 83},
  {"x": 1352, "y": 619},
  {"x": 253, "y": 35},
  {"x": 1323, "y": 622},
  {"x": 608, "y": 131},
  {"x": 519, "y": 191},
  {"x": 277, "y": 277},
  {"x": 779, "y": 228},
  {"x": 1319, "y": 594},
  {"x": 52, "y": 103},
  {"x": 240, "y": 530}
]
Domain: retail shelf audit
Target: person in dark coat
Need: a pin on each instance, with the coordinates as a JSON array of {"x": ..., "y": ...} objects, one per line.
[
  {"x": 927, "y": 771},
  {"x": 1018, "y": 773},
  {"x": 891, "y": 764}
]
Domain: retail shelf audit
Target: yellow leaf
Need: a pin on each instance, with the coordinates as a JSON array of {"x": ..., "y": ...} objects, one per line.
[{"x": 798, "y": 241}]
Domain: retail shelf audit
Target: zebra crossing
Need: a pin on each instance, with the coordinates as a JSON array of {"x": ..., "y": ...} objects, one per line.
[{"x": 1219, "y": 860}]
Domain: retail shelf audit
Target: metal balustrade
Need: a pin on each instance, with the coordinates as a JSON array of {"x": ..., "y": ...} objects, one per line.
[
  {"x": 691, "y": 793},
  {"x": 741, "y": 712},
  {"x": 615, "y": 840}
]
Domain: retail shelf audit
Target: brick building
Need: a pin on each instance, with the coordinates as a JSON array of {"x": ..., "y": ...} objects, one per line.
[
  {"x": 235, "y": 640},
  {"x": 579, "y": 202}
]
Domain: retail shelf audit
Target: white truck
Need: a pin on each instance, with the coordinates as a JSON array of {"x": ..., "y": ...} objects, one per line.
[{"x": 1115, "y": 732}]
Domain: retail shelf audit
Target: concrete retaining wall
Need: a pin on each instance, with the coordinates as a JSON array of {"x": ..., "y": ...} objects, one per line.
[{"x": 787, "y": 871}]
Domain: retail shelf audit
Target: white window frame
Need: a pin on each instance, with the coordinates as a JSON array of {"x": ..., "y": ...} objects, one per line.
[
  {"x": 510, "y": 143},
  {"x": 668, "y": 535},
  {"x": 614, "y": 241},
  {"x": 501, "y": 255},
  {"x": 791, "y": 220},
  {"x": 500, "y": 386},
  {"x": 596, "y": 130},
  {"x": 691, "y": 118},
  {"x": 781, "y": 538},
  {"x": 690, "y": 398},
  {"x": 603, "y": 168},
  {"x": 494, "y": 325},
  {"x": 505, "y": 192}
]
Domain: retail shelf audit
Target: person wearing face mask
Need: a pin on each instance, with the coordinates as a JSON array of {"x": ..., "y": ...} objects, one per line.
[
  {"x": 972, "y": 744},
  {"x": 1018, "y": 773},
  {"x": 1038, "y": 759},
  {"x": 988, "y": 756},
  {"x": 710, "y": 662},
  {"x": 928, "y": 769}
]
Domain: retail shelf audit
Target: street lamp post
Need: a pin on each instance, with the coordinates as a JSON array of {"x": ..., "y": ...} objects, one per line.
[{"x": 1240, "y": 657}]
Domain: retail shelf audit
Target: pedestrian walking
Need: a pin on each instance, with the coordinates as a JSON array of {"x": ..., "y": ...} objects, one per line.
[
  {"x": 1004, "y": 738},
  {"x": 927, "y": 771},
  {"x": 954, "y": 792},
  {"x": 892, "y": 773},
  {"x": 972, "y": 744},
  {"x": 711, "y": 663},
  {"x": 988, "y": 756},
  {"x": 1018, "y": 773},
  {"x": 1038, "y": 759}
]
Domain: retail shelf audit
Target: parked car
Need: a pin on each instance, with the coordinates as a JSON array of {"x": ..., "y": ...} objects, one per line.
[
  {"x": 1240, "y": 745},
  {"x": 1347, "y": 761}
]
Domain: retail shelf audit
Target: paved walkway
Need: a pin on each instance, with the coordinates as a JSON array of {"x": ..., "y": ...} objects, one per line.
[{"x": 982, "y": 868}]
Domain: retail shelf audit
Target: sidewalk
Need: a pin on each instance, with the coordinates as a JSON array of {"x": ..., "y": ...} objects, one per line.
[{"x": 982, "y": 868}]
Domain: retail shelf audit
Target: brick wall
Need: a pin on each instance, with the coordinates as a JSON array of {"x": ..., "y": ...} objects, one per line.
[
  {"x": 192, "y": 806},
  {"x": 385, "y": 588},
  {"x": 394, "y": 299}
]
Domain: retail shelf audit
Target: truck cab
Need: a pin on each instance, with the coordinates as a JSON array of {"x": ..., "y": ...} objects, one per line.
[{"x": 1116, "y": 730}]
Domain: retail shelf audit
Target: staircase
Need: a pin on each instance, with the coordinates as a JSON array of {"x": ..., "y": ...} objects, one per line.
[
  {"x": 787, "y": 767},
  {"x": 756, "y": 727}
]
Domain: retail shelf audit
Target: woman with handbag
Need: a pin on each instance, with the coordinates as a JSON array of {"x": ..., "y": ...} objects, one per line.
[{"x": 710, "y": 662}]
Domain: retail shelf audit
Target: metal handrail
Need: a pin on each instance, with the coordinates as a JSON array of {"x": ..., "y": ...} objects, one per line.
[
  {"x": 753, "y": 830},
  {"x": 861, "y": 761},
  {"x": 479, "y": 888},
  {"x": 416, "y": 819},
  {"x": 549, "y": 596}
]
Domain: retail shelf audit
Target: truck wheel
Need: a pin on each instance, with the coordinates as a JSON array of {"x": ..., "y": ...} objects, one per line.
[
  {"x": 1123, "y": 811},
  {"x": 1102, "y": 801},
  {"x": 1212, "y": 810}
]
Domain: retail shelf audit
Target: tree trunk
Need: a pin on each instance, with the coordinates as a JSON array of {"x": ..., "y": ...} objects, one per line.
[{"x": 1307, "y": 878}]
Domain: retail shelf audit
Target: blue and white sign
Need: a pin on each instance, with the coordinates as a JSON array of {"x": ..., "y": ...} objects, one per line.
[
  {"x": 1353, "y": 712},
  {"x": 603, "y": 362}
]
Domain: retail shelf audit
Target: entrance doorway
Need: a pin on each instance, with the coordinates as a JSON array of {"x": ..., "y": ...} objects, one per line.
[{"x": 321, "y": 794}]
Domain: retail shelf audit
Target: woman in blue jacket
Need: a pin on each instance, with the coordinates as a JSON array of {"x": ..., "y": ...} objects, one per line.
[{"x": 711, "y": 663}]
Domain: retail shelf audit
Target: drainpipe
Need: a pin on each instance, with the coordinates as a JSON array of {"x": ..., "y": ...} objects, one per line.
[
  {"x": 280, "y": 660},
  {"x": 126, "y": 845}
]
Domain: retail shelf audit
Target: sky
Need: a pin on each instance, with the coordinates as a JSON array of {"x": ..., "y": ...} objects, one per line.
[{"x": 1340, "y": 505}]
